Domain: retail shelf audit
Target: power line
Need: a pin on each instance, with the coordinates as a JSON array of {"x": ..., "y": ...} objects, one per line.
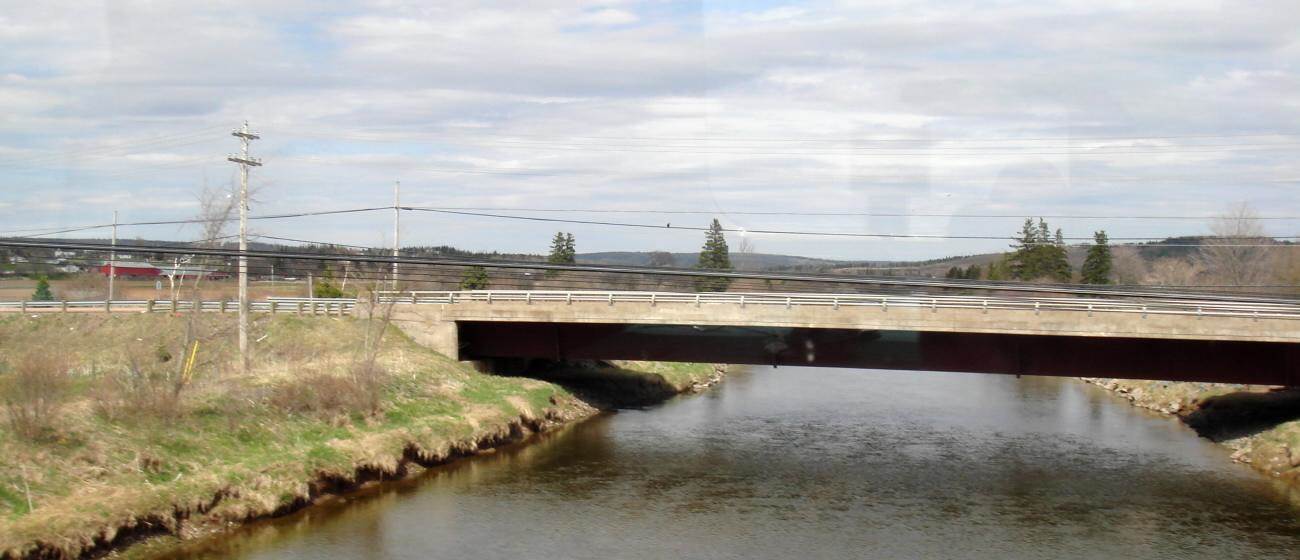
[
  {"x": 843, "y": 214},
  {"x": 813, "y": 140},
  {"x": 199, "y": 220},
  {"x": 381, "y": 259},
  {"x": 791, "y": 232}
]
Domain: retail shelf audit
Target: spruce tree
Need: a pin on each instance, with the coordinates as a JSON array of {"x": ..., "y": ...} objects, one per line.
[
  {"x": 570, "y": 249},
  {"x": 1058, "y": 259},
  {"x": 1096, "y": 267},
  {"x": 560, "y": 249},
  {"x": 1023, "y": 262},
  {"x": 714, "y": 256},
  {"x": 955, "y": 272},
  {"x": 42, "y": 290},
  {"x": 972, "y": 272}
]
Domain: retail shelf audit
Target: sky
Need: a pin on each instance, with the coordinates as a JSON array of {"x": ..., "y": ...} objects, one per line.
[{"x": 762, "y": 114}]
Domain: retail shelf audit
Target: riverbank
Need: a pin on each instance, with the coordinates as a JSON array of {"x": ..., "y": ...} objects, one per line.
[
  {"x": 117, "y": 433},
  {"x": 1260, "y": 424}
]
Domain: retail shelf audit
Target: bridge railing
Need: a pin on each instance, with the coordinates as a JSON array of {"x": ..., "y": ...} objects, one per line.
[
  {"x": 312, "y": 306},
  {"x": 1144, "y": 307}
]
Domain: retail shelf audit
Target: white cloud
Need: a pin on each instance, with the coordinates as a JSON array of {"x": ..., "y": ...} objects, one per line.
[
  {"x": 647, "y": 105},
  {"x": 606, "y": 17}
]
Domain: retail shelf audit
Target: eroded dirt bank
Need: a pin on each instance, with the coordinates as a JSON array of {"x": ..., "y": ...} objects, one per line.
[{"x": 119, "y": 465}]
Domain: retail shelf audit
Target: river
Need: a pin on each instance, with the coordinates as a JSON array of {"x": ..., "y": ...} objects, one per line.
[{"x": 821, "y": 463}]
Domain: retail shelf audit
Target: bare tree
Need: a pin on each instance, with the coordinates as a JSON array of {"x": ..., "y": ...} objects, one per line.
[
  {"x": 744, "y": 253},
  {"x": 1127, "y": 266},
  {"x": 1170, "y": 271},
  {"x": 1235, "y": 255},
  {"x": 1286, "y": 268}
]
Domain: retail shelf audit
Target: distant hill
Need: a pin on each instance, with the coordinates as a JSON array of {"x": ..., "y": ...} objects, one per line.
[{"x": 747, "y": 261}]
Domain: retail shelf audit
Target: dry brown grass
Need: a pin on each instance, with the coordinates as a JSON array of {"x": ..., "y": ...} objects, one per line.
[{"x": 33, "y": 392}]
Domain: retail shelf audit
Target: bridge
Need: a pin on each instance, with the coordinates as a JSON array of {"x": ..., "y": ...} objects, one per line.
[{"x": 1210, "y": 338}]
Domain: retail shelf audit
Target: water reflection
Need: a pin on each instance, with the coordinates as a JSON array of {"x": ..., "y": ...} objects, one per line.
[{"x": 823, "y": 463}]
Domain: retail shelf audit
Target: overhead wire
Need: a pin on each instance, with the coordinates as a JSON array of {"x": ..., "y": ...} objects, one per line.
[{"x": 696, "y": 273}]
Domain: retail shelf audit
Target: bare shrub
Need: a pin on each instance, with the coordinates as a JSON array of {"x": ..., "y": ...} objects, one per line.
[
  {"x": 317, "y": 393},
  {"x": 33, "y": 393},
  {"x": 1236, "y": 255},
  {"x": 1171, "y": 271},
  {"x": 149, "y": 384},
  {"x": 1127, "y": 266}
]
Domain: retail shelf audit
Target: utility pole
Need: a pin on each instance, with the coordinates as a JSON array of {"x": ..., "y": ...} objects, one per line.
[
  {"x": 244, "y": 162},
  {"x": 112, "y": 259},
  {"x": 397, "y": 231}
]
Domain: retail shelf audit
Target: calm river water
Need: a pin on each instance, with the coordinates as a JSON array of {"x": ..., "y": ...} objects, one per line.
[{"x": 823, "y": 463}]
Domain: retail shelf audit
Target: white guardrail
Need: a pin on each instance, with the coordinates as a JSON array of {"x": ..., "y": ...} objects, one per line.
[
  {"x": 1144, "y": 307},
  {"x": 300, "y": 306}
]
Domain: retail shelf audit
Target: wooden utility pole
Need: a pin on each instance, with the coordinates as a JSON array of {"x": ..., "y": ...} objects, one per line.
[
  {"x": 397, "y": 230},
  {"x": 112, "y": 259},
  {"x": 244, "y": 162}
]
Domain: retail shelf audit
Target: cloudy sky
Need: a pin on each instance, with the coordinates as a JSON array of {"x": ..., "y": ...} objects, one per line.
[{"x": 760, "y": 113}]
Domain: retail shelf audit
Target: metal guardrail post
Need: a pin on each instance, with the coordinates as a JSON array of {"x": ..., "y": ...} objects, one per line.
[
  {"x": 148, "y": 306},
  {"x": 22, "y": 306},
  {"x": 742, "y": 301},
  {"x": 986, "y": 307},
  {"x": 528, "y": 298},
  {"x": 836, "y": 301},
  {"x": 299, "y": 308},
  {"x": 652, "y": 300},
  {"x": 787, "y": 302},
  {"x": 108, "y": 305},
  {"x": 489, "y": 294},
  {"x": 568, "y": 298},
  {"x": 884, "y": 304},
  {"x": 1037, "y": 306},
  {"x": 64, "y": 306},
  {"x": 1090, "y": 310},
  {"x": 934, "y": 305},
  {"x": 611, "y": 298},
  {"x": 697, "y": 300},
  {"x": 1144, "y": 312}
]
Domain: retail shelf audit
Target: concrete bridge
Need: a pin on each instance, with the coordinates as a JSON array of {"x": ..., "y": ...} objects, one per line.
[{"x": 1183, "y": 339}]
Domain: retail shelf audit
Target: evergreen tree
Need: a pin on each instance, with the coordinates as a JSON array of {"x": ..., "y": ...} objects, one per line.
[
  {"x": 1001, "y": 269},
  {"x": 561, "y": 247},
  {"x": 972, "y": 272},
  {"x": 475, "y": 278},
  {"x": 714, "y": 256},
  {"x": 1057, "y": 258},
  {"x": 42, "y": 290},
  {"x": 955, "y": 272},
  {"x": 1039, "y": 254},
  {"x": 570, "y": 249},
  {"x": 1096, "y": 267},
  {"x": 1023, "y": 261}
]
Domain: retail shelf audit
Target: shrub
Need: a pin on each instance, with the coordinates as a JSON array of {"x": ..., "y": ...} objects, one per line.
[
  {"x": 34, "y": 391},
  {"x": 358, "y": 392},
  {"x": 146, "y": 385},
  {"x": 42, "y": 292}
]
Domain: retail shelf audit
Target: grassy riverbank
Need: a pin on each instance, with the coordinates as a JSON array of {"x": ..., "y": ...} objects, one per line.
[
  {"x": 1261, "y": 425},
  {"x": 117, "y": 440}
]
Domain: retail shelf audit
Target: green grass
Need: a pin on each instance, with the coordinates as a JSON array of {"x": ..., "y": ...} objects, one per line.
[{"x": 101, "y": 472}]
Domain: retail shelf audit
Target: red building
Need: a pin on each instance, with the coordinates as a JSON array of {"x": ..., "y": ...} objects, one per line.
[{"x": 131, "y": 270}]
